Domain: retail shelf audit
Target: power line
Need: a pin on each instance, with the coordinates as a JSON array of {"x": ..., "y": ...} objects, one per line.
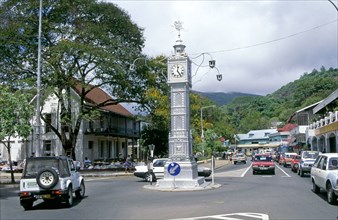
[{"x": 272, "y": 41}]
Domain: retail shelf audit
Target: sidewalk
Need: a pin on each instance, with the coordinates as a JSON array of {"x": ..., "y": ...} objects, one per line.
[{"x": 5, "y": 178}]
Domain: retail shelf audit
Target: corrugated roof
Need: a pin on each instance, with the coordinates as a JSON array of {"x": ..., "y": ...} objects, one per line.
[
  {"x": 333, "y": 96},
  {"x": 287, "y": 127},
  {"x": 98, "y": 96},
  {"x": 259, "y": 134}
]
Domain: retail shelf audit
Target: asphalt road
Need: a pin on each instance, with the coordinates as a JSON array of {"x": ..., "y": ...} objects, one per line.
[{"x": 242, "y": 195}]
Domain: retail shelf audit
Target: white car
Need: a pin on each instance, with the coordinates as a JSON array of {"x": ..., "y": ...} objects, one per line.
[
  {"x": 324, "y": 175},
  {"x": 158, "y": 170},
  {"x": 239, "y": 158},
  {"x": 307, "y": 160},
  {"x": 50, "y": 179}
]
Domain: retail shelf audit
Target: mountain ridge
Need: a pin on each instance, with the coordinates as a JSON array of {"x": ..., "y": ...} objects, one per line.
[{"x": 223, "y": 98}]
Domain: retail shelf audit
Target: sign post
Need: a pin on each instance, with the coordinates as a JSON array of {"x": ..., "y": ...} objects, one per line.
[{"x": 174, "y": 169}]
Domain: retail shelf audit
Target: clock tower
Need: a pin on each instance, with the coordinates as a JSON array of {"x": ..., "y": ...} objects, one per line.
[{"x": 180, "y": 138}]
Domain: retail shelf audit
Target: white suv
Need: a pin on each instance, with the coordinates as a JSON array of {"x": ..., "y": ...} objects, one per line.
[
  {"x": 50, "y": 179},
  {"x": 324, "y": 175},
  {"x": 307, "y": 160}
]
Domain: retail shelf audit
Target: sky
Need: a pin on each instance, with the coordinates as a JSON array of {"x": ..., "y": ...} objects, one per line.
[{"x": 258, "y": 46}]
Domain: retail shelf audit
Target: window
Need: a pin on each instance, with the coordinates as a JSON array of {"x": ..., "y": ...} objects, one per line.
[
  {"x": 90, "y": 144},
  {"x": 48, "y": 123},
  {"x": 48, "y": 147},
  {"x": 101, "y": 149}
]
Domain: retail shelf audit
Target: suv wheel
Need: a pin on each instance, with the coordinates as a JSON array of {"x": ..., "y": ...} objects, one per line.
[
  {"x": 80, "y": 192},
  {"x": 69, "y": 197},
  {"x": 47, "y": 178}
]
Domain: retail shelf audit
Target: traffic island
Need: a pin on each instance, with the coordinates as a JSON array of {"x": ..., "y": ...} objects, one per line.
[{"x": 204, "y": 186}]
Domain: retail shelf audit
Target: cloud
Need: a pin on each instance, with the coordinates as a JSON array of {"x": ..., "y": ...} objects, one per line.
[{"x": 294, "y": 37}]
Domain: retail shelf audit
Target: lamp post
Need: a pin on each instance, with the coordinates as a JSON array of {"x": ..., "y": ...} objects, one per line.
[
  {"x": 150, "y": 164},
  {"x": 202, "y": 135},
  {"x": 38, "y": 96}
]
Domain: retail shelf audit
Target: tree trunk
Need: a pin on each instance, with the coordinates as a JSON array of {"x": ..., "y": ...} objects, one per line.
[{"x": 10, "y": 160}]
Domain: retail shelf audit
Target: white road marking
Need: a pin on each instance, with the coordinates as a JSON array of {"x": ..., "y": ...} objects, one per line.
[
  {"x": 232, "y": 173},
  {"x": 232, "y": 216},
  {"x": 287, "y": 175},
  {"x": 243, "y": 174}
]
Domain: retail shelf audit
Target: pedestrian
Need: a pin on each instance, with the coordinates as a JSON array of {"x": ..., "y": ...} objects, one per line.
[
  {"x": 86, "y": 162},
  {"x": 127, "y": 166}
]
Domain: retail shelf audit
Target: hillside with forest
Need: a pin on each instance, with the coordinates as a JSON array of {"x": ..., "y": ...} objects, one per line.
[
  {"x": 260, "y": 112},
  {"x": 222, "y": 98}
]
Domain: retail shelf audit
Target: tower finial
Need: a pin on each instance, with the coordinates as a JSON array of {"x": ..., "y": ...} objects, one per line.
[{"x": 178, "y": 26}]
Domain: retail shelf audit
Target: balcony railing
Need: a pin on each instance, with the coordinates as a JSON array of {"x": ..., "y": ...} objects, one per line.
[
  {"x": 113, "y": 131},
  {"x": 331, "y": 118}
]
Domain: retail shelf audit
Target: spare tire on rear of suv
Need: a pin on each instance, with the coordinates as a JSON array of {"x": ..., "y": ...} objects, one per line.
[{"x": 47, "y": 178}]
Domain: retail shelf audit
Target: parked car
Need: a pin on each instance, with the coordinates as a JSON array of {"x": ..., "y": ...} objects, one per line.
[
  {"x": 307, "y": 160},
  {"x": 263, "y": 163},
  {"x": 285, "y": 159},
  {"x": 238, "y": 158},
  {"x": 158, "y": 170},
  {"x": 50, "y": 179},
  {"x": 295, "y": 159},
  {"x": 15, "y": 168},
  {"x": 324, "y": 175}
]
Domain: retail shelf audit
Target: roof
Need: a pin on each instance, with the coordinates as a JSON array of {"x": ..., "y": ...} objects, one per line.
[
  {"x": 98, "y": 96},
  {"x": 309, "y": 106},
  {"x": 287, "y": 127},
  {"x": 258, "y": 134},
  {"x": 333, "y": 96}
]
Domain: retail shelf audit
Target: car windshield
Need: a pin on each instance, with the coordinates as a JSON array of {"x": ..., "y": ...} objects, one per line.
[
  {"x": 308, "y": 155},
  {"x": 33, "y": 166},
  {"x": 333, "y": 163},
  {"x": 263, "y": 158}
]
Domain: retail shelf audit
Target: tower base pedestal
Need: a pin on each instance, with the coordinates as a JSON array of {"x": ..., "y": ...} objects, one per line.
[{"x": 186, "y": 179}]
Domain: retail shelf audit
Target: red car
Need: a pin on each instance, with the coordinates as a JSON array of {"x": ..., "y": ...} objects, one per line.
[
  {"x": 295, "y": 159},
  {"x": 263, "y": 163}
]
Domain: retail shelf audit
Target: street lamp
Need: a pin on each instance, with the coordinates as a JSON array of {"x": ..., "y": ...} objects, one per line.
[
  {"x": 202, "y": 135},
  {"x": 38, "y": 96},
  {"x": 150, "y": 164}
]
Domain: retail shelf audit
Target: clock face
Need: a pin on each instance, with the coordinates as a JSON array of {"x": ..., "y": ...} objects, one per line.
[{"x": 177, "y": 71}]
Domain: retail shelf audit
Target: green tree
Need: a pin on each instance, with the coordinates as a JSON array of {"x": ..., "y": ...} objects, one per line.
[
  {"x": 156, "y": 105},
  {"x": 15, "y": 114},
  {"x": 85, "y": 44}
]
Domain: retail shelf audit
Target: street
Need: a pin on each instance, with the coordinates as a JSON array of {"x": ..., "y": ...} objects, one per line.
[{"x": 242, "y": 195}]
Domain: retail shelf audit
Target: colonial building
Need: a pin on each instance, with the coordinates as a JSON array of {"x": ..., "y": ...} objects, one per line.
[
  {"x": 255, "y": 140},
  {"x": 113, "y": 135},
  {"x": 322, "y": 134}
]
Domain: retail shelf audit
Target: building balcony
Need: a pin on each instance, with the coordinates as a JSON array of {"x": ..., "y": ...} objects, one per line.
[
  {"x": 113, "y": 131},
  {"x": 326, "y": 124}
]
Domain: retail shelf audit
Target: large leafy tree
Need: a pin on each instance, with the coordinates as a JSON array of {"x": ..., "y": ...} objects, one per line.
[
  {"x": 157, "y": 107},
  {"x": 84, "y": 42},
  {"x": 15, "y": 114}
]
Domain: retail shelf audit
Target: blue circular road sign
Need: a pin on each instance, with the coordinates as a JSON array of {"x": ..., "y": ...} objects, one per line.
[{"x": 174, "y": 169}]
